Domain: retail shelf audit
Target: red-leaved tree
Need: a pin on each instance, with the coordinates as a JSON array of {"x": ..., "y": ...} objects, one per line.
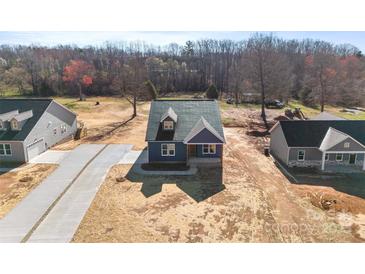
[{"x": 79, "y": 73}]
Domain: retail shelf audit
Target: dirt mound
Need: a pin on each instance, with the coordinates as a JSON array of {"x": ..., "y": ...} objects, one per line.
[{"x": 281, "y": 118}]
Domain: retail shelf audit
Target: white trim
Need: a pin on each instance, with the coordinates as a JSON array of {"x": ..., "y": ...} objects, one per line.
[
  {"x": 345, "y": 152},
  {"x": 209, "y": 153},
  {"x": 5, "y": 154},
  {"x": 204, "y": 143},
  {"x": 323, "y": 160},
  {"x": 301, "y": 160},
  {"x": 306, "y": 147},
  {"x": 274, "y": 126},
  {"x": 167, "y": 150}
]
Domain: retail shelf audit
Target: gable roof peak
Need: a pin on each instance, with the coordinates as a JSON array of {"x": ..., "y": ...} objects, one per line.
[
  {"x": 169, "y": 113},
  {"x": 199, "y": 126},
  {"x": 23, "y": 115},
  {"x": 7, "y": 116}
]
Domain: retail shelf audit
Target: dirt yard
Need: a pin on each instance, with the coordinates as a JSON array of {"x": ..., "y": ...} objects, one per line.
[
  {"x": 16, "y": 185},
  {"x": 250, "y": 200},
  {"x": 109, "y": 122}
]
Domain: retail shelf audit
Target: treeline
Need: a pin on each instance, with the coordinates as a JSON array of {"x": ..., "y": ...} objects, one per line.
[{"x": 312, "y": 71}]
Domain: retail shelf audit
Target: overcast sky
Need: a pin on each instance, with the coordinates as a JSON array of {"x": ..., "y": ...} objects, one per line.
[{"x": 165, "y": 37}]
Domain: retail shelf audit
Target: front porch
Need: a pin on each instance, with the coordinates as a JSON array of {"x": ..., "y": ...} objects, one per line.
[
  {"x": 343, "y": 161},
  {"x": 204, "y": 154}
]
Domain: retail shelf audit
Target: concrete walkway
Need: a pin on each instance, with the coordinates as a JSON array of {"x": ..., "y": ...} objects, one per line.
[
  {"x": 135, "y": 157},
  {"x": 62, "y": 222},
  {"x": 16, "y": 226}
]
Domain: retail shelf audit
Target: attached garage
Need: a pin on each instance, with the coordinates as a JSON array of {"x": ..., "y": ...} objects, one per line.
[{"x": 36, "y": 148}]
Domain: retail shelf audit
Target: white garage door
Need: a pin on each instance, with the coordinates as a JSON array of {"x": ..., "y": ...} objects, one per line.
[{"x": 35, "y": 149}]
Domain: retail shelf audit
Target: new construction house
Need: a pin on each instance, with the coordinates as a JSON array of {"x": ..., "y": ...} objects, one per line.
[
  {"x": 329, "y": 145},
  {"x": 185, "y": 131},
  {"x": 29, "y": 127}
]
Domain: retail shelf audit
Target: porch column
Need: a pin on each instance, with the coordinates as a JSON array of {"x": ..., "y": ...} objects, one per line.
[
  {"x": 363, "y": 163},
  {"x": 323, "y": 159}
]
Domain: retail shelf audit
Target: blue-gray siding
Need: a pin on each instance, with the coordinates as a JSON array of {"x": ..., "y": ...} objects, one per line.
[
  {"x": 199, "y": 152},
  {"x": 205, "y": 137},
  {"x": 154, "y": 152}
]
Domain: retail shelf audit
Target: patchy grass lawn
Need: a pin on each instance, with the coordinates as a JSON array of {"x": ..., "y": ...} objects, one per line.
[
  {"x": 338, "y": 111},
  {"x": 14, "y": 186}
]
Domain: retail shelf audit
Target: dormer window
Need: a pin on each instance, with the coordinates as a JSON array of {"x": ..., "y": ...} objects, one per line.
[
  {"x": 168, "y": 125},
  {"x": 14, "y": 125}
]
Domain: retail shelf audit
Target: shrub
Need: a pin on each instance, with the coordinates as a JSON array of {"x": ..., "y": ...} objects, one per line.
[{"x": 212, "y": 92}]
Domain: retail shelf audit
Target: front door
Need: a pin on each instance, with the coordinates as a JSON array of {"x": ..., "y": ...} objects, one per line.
[
  {"x": 192, "y": 150},
  {"x": 352, "y": 159}
]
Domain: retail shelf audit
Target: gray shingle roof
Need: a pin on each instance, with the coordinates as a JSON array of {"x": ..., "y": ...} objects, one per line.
[
  {"x": 310, "y": 133},
  {"x": 38, "y": 107},
  {"x": 189, "y": 112}
]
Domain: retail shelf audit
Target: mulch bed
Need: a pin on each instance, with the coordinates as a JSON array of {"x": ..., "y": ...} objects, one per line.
[{"x": 165, "y": 167}]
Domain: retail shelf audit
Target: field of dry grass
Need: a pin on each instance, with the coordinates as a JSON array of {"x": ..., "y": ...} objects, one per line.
[
  {"x": 109, "y": 122},
  {"x": 15, "y": 186}
]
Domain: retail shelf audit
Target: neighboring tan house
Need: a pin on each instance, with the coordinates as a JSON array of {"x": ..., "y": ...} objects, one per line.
[
  {"x": 329, "y": 145},
  {"x": 29, "y": 127},
  {"x": 185, "y": 131}
]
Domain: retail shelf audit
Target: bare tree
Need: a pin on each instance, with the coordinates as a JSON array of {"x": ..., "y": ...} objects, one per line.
[
  {"x": 321, "y": 71},
  {"x": 266, "y": 68}
]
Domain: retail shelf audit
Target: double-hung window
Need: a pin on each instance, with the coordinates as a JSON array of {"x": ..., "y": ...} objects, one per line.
[
  {"x": 168, "y": 149},
  {"x": 63, "y": 128},
  {"x": 301, "y": 155},
  {"x": 168, "y": 125},
  {"x": 14, "y": 125},
  {"x": 209, "y": 149},
  {"x": 5, "y": 149},
  {"x": 339, "y": 157},
  {"x": 1, "y": 125},
  {"x": 326, "y": 157}
]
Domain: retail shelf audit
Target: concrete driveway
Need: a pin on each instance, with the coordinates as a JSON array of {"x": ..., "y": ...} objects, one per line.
[
  {"x": 52, "y": 211},
  {"x": 50, "y": 157}
]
